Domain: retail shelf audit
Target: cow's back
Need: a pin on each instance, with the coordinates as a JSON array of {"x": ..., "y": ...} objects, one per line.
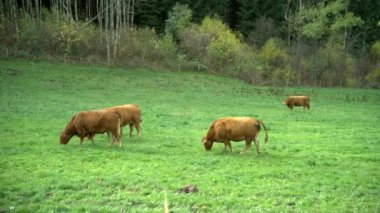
[
  {"x": 97, "y": 120},
  {"x": 129, "y": 113},
  {"x": 236, "y": 128},
  {"x": 297, "y": 100},
  {"x": 87, "y": 118}
]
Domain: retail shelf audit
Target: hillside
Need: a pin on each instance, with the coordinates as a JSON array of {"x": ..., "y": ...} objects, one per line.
[{"x": 322, "y": 160}]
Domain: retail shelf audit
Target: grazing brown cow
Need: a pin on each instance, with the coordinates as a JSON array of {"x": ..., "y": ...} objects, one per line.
[
  {"x": 292, "y": 101},
  {"x": 130, "y": 114},
  {"x": 88, "y": 123},
  {"x": 229, "y": 129}
]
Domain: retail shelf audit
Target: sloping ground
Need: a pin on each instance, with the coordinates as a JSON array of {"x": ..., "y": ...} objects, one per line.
[{"x": 323, "y": 160}]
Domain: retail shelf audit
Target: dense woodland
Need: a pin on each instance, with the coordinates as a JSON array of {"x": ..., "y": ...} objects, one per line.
[{"x": 276, "y": 42}]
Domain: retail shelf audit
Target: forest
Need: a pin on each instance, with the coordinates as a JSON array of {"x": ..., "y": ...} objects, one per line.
[{"x": 319, "y": 43}]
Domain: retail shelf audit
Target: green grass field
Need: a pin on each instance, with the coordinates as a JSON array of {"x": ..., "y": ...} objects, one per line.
[{"x": 323, "y": 160}]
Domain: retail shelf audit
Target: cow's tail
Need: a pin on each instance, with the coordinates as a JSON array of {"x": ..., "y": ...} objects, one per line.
[{"x": 265, "y": 129}]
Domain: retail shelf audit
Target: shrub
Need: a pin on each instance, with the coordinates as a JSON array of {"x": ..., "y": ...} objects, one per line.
[
  {"x": 8, "y": 37},
  {"x": 246, "y": 66},
  {"x": 340, "y": 66},
  {"x": 179, "y": 18},
  {"x": 212, "y": 43},
  {"x": 276, "y": 62},
  {"x": 193, "y": 43},
  {"x": 374, "y": 76},
  {"x": 144, "y": 48},
  {"x": 224, "y": 44},
  {"x": 375, "y": 51}
]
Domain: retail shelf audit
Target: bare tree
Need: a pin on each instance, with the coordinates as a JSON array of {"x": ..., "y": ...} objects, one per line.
[
  {"x": 288, "y": 21},
  {"x": 15, "y": 18},
  {"x": 107, "y": 19},
  {"x": 2, "y": 18},
  {"x": 55, "y": 5},
  {"x": 128, "y": 12},
  {"x": 112, "y": 23},
  {"x": 133, "y": 12},
  {"x": 99, "y": 7},
  {"x": 117, "y": 28},
  {"x": 298, "y": 52},
  {"x": 88, "y": 9},
  {"x": 76, "y": 14},
  {"x": 37, "y": 10}
]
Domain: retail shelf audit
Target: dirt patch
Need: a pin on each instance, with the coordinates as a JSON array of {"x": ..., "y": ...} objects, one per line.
[{"x": 188, "y": 189}]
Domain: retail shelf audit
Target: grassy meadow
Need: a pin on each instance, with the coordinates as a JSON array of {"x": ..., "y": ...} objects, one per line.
[{"x": 323, "y": 160}]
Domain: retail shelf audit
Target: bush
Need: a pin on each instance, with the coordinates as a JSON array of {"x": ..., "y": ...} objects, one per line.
[
  {"x": 179, "y": 18},
  {"x": 144, "y": 48},
  {"x": 264, "y": 29},
  {"x": 211, "y": 43},
  {"x": 8, "y": 37},
  {"x": 193, "y": 43},
  {"x": 246, "y": 66},
  {"x": 223, "y": 45},
  {"x": 374, "y": 76},
  {"x": 375, "y": 51},
  {"x": 276, "y": 62},
  {"x": 340, "y": 66}
]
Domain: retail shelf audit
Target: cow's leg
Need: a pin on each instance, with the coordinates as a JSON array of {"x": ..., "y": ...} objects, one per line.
[
  {"x": 130, "y": 129},
  {"x": 137, "y": 126},
  {"x": 91, "y": 137},
  {"x": 81, "y": 139},
  {"x": 119, "y": 139},
  {"x": 121, "y": 131},
  {"x": 247, "y": 146},
  {"x": 257, "y": 143},
  {"x": 82, "y": 134},
  {"x": 113, "y": 140},
  {"x": 116, "y": 135},
  {"x": 229, "y": 145}
]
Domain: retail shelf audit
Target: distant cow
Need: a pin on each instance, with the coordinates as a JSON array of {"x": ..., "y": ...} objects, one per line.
[
  {"x": 229, "y": 129},
  {"x": 130, "y": 114},
  {"x": 88, "y": 123},
  {"x": 292, "y": 101}
]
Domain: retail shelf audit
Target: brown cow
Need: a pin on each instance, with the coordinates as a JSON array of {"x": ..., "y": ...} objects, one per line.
[
  {"x": 130, "y": 114},
  {"x": 292, "y": 101},
  {"x": 88, "y": 123},
  {"x": 229, "y": 129}
]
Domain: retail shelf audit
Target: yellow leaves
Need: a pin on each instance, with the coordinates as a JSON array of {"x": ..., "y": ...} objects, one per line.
[
  {"x": 224, "y": 43},
  {"x": 375, "y": 50},
  {"x": 272, "y": 54}
]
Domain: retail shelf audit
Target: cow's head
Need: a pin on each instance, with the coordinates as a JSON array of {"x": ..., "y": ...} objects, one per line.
[
  {"x": 285, "y": 102},
  {"x": 207, "y": 143},
  {"x": 64, "y": 138}
]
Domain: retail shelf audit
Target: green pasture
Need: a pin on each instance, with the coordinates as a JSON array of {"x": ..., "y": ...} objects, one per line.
[{"x": 323, "y": 160}]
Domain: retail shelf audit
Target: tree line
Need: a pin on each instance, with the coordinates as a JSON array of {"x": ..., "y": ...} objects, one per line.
[{"x": 277, "y": 42}]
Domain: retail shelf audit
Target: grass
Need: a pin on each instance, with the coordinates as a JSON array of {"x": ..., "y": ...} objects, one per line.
[{"x": 323, "y": 160}]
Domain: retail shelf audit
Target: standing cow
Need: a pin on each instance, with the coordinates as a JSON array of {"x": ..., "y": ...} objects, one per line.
[
  {"x": 88, "y": 123},
  {"x": 130, "y": 115},
  {"x": 292, "y": 101},
  {"x": 229, "y": 129}
]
